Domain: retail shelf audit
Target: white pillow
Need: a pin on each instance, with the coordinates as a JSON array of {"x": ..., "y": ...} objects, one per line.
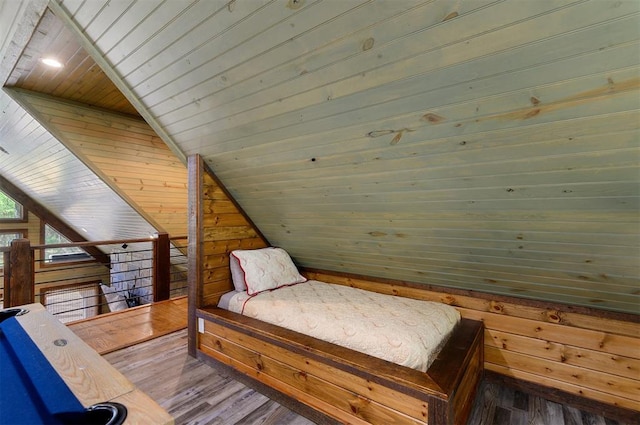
[
  {"x": 237, "y": 275},
  {"x": 115, "y": 300},
  {"x": 267, "y": 268}
]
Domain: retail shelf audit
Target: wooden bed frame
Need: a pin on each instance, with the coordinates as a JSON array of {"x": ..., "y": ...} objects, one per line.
[
  {"x": 322, "y": 381},
  {"x": 339, "y": 384}
]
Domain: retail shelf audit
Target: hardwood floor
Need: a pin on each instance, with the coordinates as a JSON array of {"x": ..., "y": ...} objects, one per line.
[
  {"x": 114, "y": 331},
  {"x": 497, "y": 405},
  {"x": 195, "y": 393}
]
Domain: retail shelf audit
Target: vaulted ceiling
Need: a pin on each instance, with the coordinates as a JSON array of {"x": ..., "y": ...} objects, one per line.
[
  {"x": 125, "y": 166},
  {"x": 477, "y": 144}
]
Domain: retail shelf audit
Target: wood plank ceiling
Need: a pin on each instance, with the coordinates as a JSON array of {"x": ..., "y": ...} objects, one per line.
[
  {"x": 477, "y": 144},
  {"x": 80, "y": 79},
  {"x": 89, "y": 115}
]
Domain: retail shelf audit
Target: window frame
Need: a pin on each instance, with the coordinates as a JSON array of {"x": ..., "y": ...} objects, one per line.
[
  {"x": 25, "y": 213},
  {"x": 44, "y": 262},
  {"x": 23, "y": 235}
]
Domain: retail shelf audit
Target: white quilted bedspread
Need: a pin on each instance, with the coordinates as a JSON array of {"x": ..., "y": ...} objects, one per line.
[{"x": 401, "y": 330}]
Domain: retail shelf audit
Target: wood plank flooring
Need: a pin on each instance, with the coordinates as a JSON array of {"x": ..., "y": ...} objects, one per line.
[
  {"x": 195, "y": 393},
  {"x": 114, "y": 331},
  {"x": 500, "y": 405}
]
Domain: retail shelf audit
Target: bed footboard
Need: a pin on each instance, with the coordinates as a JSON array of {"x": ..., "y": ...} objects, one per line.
[{"x": 345, "y": 385}]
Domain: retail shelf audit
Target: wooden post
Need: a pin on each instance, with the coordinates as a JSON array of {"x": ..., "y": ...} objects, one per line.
[
  {"x": 21, "y": 287},
  {"x": 195, "y": 256},
  {"x": 5, "y": 277},
  {"x": 161, "y": 267}
]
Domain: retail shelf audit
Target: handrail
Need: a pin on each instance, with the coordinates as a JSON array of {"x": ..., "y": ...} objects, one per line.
[
  {"x": 92, "y": 243},
  {"x": 20, "y": 267}
]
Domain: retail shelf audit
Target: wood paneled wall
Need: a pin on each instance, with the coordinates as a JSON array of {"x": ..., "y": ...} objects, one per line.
[
  {"x": 124, "y": 151},
  {"x": 478, "y": 144},
  {"x": 584, "y": 352},
  {"x": 40, "y": 166},
  {"x": 217, "y": 226},
  {"x": 589, "y": 355}
]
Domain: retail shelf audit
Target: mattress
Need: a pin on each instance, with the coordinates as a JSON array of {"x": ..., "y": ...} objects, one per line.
[{"x": 401, "y": 330}]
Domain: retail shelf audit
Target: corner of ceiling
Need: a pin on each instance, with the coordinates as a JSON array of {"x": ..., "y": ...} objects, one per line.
[
  {"x": 17, "y": 35},
  {"x": 117, "y": 80}
]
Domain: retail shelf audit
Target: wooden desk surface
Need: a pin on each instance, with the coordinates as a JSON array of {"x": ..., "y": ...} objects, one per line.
[{"x": 89, "y": 376}]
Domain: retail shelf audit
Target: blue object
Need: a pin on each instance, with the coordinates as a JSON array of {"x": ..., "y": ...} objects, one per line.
[{"x": 31, "y": 391}]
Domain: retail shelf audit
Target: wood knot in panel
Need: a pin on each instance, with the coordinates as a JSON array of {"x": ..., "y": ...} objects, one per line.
[
  {"x": 301, "y": 375},
  {"x": 396, "y": 138},
  {"x": 378, "y": 133},
  {"x": 450, "y": 16},
  {"x": 497, "y": 307},
  {"x": 432, "y": 118},
  {"x": 448, "y": 299},
  {"x": 532, "y": 113},
  {"x": 358, "y": 404},
  {"x": 377, "y": 234},
  {"x": 295, "y": 4},
  {"x": 259, "y": 363},
  {"x": 554, "y": 316},
  {"x": 368, "y": 44}
]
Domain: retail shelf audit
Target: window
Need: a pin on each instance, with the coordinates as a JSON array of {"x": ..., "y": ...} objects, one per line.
[
  {"x": 10, "y": 210},
  {"x": 6, "y": 236},
  {"x": 55, "y": 255}
]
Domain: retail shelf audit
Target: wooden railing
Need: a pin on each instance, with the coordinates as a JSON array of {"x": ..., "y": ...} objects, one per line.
[{"x": 29, "y": 276}]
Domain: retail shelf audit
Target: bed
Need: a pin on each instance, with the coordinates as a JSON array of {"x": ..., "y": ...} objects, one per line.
[
  {"x": 400, "y": 330},
  {"x": 275, "y": 329}
]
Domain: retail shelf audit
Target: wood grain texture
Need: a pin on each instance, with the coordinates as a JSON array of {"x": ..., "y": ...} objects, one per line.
[
  {"x": 88, "y": 375},
  {"x": 480, "y": 145},
  {"x": 218, "y": 225},
  {"x": 115, "y": 331},
  {"x": 484, "y": 146},
  {"x": 53, "y": 37},
  {"x": 593, "y": 355},
  {"x": 19, "y": 287},
  {"x": 124, "y": 152},
  {"x": 343, "y": 384},
  {"x": 194, "y": 392},
  {"x": 48, "y": 173},
  {"x": 457, "y": 144}
]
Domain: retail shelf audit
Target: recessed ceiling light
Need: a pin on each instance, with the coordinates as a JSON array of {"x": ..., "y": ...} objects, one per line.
[{"x": 53, "y": 63}]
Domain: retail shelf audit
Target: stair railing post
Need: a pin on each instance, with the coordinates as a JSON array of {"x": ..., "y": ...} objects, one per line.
[
  {"x": 21, "y": 283},
  {"x": 5, "y": 278},
  {"x": 161, "y": 267}
]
